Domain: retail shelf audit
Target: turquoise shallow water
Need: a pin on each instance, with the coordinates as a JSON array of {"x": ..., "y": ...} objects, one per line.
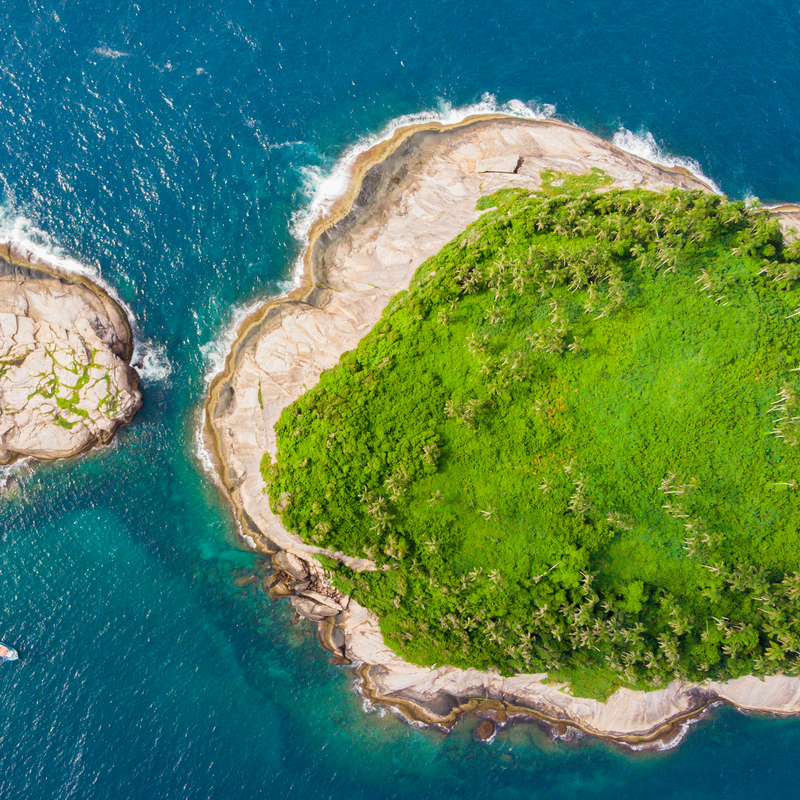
[{"x": 171, "y": 148}]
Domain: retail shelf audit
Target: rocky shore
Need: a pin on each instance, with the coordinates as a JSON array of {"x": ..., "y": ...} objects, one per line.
[
  {"x": 65, "y": 347},
  {"x": 407, "y": 197}
]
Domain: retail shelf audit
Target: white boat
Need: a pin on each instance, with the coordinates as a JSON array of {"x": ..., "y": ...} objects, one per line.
[{"x": 7, "y": 653}]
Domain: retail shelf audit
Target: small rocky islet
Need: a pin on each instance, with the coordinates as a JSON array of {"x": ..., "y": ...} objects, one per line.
[{"x": 66, "y": 382}]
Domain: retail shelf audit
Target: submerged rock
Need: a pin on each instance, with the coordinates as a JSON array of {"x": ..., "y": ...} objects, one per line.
[
  {"x": 485, "y": 730},
  {"x": 242, "y": 581}
]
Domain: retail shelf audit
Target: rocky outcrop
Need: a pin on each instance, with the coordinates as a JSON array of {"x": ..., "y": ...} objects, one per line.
[
  {"x": 65, "y": 348},
  {"x": 407, "y": 198},
  {"x": 443, "y": 694}
]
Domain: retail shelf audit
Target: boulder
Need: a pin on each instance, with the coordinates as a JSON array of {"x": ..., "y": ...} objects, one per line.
[
  {"x": 312, "y": 610},
  {"x": 485, "y": 730},
  {"x": 505, "y": 164},
  {"x": 291, "y": 565}
]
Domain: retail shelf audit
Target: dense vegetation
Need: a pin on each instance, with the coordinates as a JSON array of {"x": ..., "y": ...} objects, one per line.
[{"x": 572, "y": 444}]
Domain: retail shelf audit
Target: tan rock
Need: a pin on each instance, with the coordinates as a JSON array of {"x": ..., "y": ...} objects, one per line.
[
  {"x": 323, "y": 600},
  {"x": 291, "y": 565},
  {"x": 65, "y": 344},
  {"x": 312, "y": 610},
  {"x": 508, "y": 164}
]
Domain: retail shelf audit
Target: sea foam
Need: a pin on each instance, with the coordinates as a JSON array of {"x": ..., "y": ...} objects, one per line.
[
  {"x": 644, "y": 145},
  {"x": 149, "y": 358},
  {"x": 671, "y": 742},
  {"x": 214, "y": 353},
  {"x": 322, "y": 187}
]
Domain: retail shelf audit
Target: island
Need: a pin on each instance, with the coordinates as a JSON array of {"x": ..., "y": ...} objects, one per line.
[
  {"x": 66, "y": 382},
  {"x": 501, "y": 430}
]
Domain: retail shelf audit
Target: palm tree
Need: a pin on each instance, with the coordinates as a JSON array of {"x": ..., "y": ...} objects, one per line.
[
  {"x": 435, "y": 497},
  {"x": 791, "y": 586},
  {"x": 775, "y": 652},
  {"x": 431, "y": 452}
]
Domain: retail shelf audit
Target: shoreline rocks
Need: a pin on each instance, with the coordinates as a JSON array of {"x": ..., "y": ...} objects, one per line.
[
  {"x": 407, "y": 198},
  {"x": 66, "y": 383}
]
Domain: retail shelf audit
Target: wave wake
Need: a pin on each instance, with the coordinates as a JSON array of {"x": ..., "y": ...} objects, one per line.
[
  {"x": 150, "y": 360},
  {"x": 109, "y": 52}
]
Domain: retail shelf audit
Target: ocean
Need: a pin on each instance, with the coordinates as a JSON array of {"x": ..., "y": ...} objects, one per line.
[{"x": 177, "y": 151}]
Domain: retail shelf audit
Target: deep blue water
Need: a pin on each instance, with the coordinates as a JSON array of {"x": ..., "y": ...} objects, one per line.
[{"x": 170, "y": 147}]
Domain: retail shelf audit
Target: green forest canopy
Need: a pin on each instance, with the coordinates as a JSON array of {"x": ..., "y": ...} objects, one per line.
[{"x": 571, "y": 444}]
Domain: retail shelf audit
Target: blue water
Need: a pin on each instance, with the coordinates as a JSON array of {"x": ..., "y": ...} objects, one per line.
[{"x": 172, "y": 147}]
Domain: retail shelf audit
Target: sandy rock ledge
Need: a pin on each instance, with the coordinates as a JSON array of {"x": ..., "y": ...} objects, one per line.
[
  {"x": 65, "y": 348},
  {"x": 407, "y": 198}
]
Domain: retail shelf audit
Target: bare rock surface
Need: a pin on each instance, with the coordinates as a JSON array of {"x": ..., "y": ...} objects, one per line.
[
  {"x": 65, "y": 344},
  {"x": 408, "y": 197}
]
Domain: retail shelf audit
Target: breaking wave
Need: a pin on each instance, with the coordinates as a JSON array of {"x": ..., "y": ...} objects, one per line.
[
  {"x": 322, "y": 186},
  {"x": 149, "y": 358},
  {"x": 644, "y": 145}
]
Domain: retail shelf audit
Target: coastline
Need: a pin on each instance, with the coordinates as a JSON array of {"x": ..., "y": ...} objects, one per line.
[
  {"x": 411, "y": 194},
  {"x": 69, "y": 310},
  {"x": 13, "y": 254}
]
